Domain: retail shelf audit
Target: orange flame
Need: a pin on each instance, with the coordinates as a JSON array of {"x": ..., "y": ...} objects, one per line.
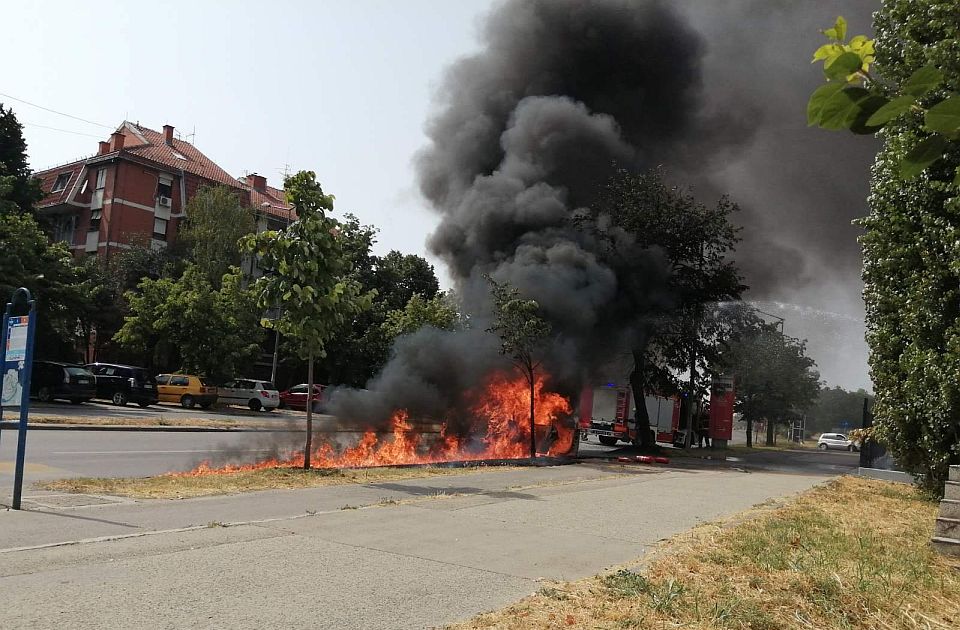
[{"x": 501, "y": 416}]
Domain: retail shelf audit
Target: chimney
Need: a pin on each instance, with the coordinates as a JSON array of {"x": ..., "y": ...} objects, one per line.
[
  {"x": 168, "y": 135},
  {"x": 116, "y": 141},
  {"x": 257, "y": 182},
  {"x": 104, "y": 148}
]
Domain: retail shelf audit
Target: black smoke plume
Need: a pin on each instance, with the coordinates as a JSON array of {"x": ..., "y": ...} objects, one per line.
[{"x": 526, "y": 131}]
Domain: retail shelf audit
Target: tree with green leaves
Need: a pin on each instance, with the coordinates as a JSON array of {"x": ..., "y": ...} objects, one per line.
[
  {"x": 18, "y": 190},
  {"x": 523, "y": 333},
  {"x": 100, "y": 313},
  {"x": 836, "y": 406},
  {"x": 215, "y": 223},
  {"x": 911, "y": 277},
  {"x": 697, "y": 240},
  {"x": 439, "y": 312},
  {"x": 774, "y": 379},
  {"x": 309, "y": 275},
  {"x": 363, "y": 344},
  {"x": 28, "y": 259},
  {"x": 188, "y": 325}
]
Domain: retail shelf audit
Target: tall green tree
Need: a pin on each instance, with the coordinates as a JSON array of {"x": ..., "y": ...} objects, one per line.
[
  {"x": 774, "y": 380},
  {"x": 836, "y": 406},
  {"x": 101, "y": 309},
  {"x": 363, "y": 345},
  {"x": 186, "y": 324},
  {"x": 18, "y": 190},
  {"x": 439, "y": 312},
  {"x": 28, "y": 259},
  {"x": 910, "y": 250},
  {"x": 309, "y": 275},
  {"x": 698, "y": 241},
  {"x": 523, "y": 334},
  {"x": 215, "y": 223}
]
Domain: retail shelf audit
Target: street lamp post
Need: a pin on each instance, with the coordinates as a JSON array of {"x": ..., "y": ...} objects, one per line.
[{"x": 780, "y": 320}]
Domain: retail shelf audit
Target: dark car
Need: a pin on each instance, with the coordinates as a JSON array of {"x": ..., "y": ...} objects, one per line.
[
  {"x": 296, "y": 397},
  {"x": 52, "y": 380},
  {"x": 121, "y": 384}
]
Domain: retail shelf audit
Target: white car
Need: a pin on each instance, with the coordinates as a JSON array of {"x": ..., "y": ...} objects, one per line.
[
  {"x": 250, "y": 393},
  {"x": 836, "y": 440}
]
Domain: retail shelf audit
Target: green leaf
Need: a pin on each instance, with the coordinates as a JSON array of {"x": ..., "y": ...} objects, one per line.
[
  {"x": 856, "y": 43},
  {"x": 956, "y": 180},
  {"x": 944, "y": 117},
  {"x": 922, "y": 156},
  {"x": 841, "y": 110},
  {"x": 922, "y": 81},
  {"x": 868, "y": 107},
  {"x": 820, "y": 96},
  {"x": 827, "y": 52},
  {"x": 841, "y": 28},
  {"x": 891, "y": 110},
  {"x": 843, "y": 66}
]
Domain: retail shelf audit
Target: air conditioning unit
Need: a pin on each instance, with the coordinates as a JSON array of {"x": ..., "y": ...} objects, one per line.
[{"x": 165, "y": 201}]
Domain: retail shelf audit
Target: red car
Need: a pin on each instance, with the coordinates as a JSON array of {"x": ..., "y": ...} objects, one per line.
[{"x": 296, "y": 397}]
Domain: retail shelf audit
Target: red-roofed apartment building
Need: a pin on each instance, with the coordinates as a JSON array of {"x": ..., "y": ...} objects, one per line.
[{"x": 136, "y": 188}]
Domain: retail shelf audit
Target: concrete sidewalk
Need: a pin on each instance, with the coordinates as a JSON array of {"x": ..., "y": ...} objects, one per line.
[{"x": 349, "y": 556}]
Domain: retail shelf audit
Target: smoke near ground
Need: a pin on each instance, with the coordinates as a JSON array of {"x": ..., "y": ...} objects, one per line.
[{"x": 527, "y": 129}]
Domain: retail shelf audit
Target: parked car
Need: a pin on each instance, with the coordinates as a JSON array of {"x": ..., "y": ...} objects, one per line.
[
  {"x": 51, "y": 380},
  {"x": 121, "y": 384},
  {"x": 250, "y": 393},
  {"x": 836, "y": 440},
  {"x": 186, "y": 390},
  {"x": 296, "y": 397}
]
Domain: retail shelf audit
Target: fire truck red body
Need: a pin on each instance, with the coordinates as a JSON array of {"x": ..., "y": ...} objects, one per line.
[{"x": 607, "y": 413}]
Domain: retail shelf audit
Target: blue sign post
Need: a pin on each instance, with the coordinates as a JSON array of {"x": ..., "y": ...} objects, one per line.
[{"x": 16, "y": 363}]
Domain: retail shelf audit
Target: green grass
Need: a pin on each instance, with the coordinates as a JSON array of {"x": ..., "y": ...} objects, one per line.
[{"x": 853, "y": 554}]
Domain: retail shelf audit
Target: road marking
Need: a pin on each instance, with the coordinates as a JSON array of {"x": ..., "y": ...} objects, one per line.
[{"x": 206, "y": 450}]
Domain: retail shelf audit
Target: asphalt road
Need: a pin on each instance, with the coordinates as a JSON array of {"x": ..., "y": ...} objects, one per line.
[
  {"x": 55, "y": 454},
  {"x": 98, "y": 409}
]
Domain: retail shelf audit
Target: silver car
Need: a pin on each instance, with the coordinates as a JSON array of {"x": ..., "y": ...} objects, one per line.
[
  {"x": 250, "y": 393},
  {"x": 836, "y": 441}
]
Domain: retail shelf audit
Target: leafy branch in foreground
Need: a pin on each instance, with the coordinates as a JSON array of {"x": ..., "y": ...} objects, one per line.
[{"x": 861, "y": 102}]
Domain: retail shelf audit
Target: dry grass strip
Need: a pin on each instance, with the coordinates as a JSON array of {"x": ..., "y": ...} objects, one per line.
[
  {"x": 181, "y": 487},
  {"x": 853, "y": 554}
]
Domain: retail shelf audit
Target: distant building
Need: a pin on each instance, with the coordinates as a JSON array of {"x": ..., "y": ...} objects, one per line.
[{"x": 135, "y": 189}]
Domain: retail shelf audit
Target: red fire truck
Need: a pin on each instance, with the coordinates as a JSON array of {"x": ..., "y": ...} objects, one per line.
[{"x": 607, "y": 413}]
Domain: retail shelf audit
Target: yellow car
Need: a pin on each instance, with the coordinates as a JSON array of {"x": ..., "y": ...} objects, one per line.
[{"x": 185, "y": 389}]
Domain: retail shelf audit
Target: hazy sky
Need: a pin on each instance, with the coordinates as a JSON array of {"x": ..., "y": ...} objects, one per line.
[{"x": 341, "y": 88}]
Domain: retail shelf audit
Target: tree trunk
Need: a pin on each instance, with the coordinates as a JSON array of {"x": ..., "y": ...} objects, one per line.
[
  {"x": 770, "y": 432},
  {"x": 307, "y": 446},
  {"x": 749, "y": 419},
  {"x": 533, "y": 424},
  {"x": 642, "y": 418},
  {"x": 693, "y": 412}
]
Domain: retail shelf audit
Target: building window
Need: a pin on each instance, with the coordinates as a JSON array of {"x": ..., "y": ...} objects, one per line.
[
  {"x": 160, "y": 229},
  {"x": 165, "y": 186},
  {"x": 101, "y": 178},
  {"x": 61, "y": 183},
  {"x": 95, "y": 216},
  {"x": 63, "y": 229}
]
